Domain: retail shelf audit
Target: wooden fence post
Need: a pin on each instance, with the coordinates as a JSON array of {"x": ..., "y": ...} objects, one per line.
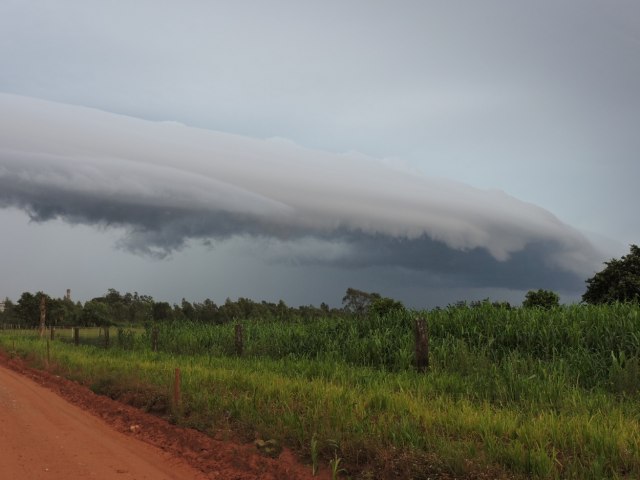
[
  {"x": 43, "y": 313},
  {"x": 76, "y": 336},
  {"x": 239, "y": 341},
  {"x": 154, "y": 339},
  {"x": 177, "y": 390},
  {"x": 106, "y": 337},
  {"x": 422, "y": 345},
  {"x": 48, "y": 355},
  {"x": 53, "y": 332}
]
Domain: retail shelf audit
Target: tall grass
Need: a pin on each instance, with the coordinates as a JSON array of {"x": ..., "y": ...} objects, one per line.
[
  {"x": 589, "y": 346},
  {"x": 543, "y": 394}
]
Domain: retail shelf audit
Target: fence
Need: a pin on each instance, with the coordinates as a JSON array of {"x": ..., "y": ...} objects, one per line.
[{"x": 234, "y": 340}]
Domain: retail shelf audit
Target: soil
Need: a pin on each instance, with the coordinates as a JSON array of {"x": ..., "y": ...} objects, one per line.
[{"x": 52, "y": 428}]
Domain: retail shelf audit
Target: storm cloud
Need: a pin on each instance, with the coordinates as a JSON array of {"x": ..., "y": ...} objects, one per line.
[{"x": 166, "y": 184}]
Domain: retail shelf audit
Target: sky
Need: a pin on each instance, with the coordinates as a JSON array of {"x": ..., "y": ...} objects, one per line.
[{"x": 431, "y": 151}]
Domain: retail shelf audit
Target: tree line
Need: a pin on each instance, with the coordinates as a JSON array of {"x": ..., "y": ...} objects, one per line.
[
  {"x": 115, "y": 308},
  {"x": 619, "y": 281}
]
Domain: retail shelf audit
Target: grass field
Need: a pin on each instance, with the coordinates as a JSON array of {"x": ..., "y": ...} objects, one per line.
[{"x": 519, "y": 393}]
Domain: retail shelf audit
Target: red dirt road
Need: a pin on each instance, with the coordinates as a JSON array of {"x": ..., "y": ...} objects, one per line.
[{"x": 43, "y": 436}]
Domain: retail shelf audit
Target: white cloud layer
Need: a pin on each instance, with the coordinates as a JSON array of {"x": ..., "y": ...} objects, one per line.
[{"x": 166, "y": 183}]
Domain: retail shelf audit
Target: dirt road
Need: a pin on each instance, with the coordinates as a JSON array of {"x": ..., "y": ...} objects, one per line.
[{"x": 44, "y": 436}]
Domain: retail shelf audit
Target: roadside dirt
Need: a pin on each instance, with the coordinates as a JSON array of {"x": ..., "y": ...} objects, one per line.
[{"x": 52, "y": 428}]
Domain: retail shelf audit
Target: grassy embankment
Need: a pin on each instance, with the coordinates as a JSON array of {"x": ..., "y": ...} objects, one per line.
[{"x": 522, "y": 392}]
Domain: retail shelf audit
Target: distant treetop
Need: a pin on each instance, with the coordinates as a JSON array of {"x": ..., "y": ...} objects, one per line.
[
  {"x": 541, "y": 299},
  {"x": 619, "y": 281}
]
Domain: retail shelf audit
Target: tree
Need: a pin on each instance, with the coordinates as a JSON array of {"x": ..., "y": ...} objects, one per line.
[
  {"x": 28, "y": 308},
  {"x": 95, "y": 313},
  {"x": 140, "y": 307},
  {"x": 8, "y": 315},
  {"x": 187, "y": 310},
  {"x": 357, "y": 302},
  {"x": 619, "y": 281},
  {"x": 541, "y": 299},
  {"x": 161, "y": 311},
  {"x": 62, "y": 311},
  {"x": 362, "y": 303},
  {"x": 281, "y": 309},
  {"x": 207, "y": 311},
  {"x": 383, "y": 306}
]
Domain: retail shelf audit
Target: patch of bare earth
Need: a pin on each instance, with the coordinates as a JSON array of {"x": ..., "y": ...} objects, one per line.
[{"x": 42, "y": 437}]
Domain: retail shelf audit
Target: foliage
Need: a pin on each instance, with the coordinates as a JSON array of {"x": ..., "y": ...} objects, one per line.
[
  {"x": 360, "y": 303},
  {"x": 384, "y": 306},
  {"x": 576, "y": 344},
  {"x": 545, "y": 299},
  {"x": 115, "y": 308},
  {"x": 357, "y": 301},
  {"x": 62, "y": 312},
  {"x": 619, "y": 281},
  {"x": 512, "y": 393},
  {"x": 478, "y": 304},
  {"x": 161, "y": 311},
  {"x": 95, "y": 313},
  {"x": 128, "y": 308},
  {"x": 9, "y": 314},
  {"x": 28, "y": 308}
]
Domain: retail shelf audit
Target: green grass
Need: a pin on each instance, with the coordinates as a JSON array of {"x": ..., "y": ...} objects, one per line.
[{"x": 523, "y": 392}]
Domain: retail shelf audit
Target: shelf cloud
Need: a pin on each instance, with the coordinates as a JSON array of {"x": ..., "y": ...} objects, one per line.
[{"x": 166, "y": 184}]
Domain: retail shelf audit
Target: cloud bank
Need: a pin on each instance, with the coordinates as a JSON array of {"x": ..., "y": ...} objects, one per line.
[{"x": 167, "y": 183}]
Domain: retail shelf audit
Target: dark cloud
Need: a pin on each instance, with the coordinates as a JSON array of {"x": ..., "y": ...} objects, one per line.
[
  {"x": 525, "y": 269},
  {"x": 153, "y": 229},
  {"x": 165, "y": 184}
]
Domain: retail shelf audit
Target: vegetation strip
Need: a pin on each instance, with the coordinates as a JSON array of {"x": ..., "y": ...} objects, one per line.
[{"x": 509, "y": 392}]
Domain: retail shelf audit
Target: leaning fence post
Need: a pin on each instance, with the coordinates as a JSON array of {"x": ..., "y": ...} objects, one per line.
[
  {"x": 422, "y": 345},
  {"x": 76, "y": 336},
  {"x": 239, "y": 342}
]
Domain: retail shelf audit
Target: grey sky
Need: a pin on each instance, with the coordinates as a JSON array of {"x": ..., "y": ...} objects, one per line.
[{"x": 538, "y": 99}]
